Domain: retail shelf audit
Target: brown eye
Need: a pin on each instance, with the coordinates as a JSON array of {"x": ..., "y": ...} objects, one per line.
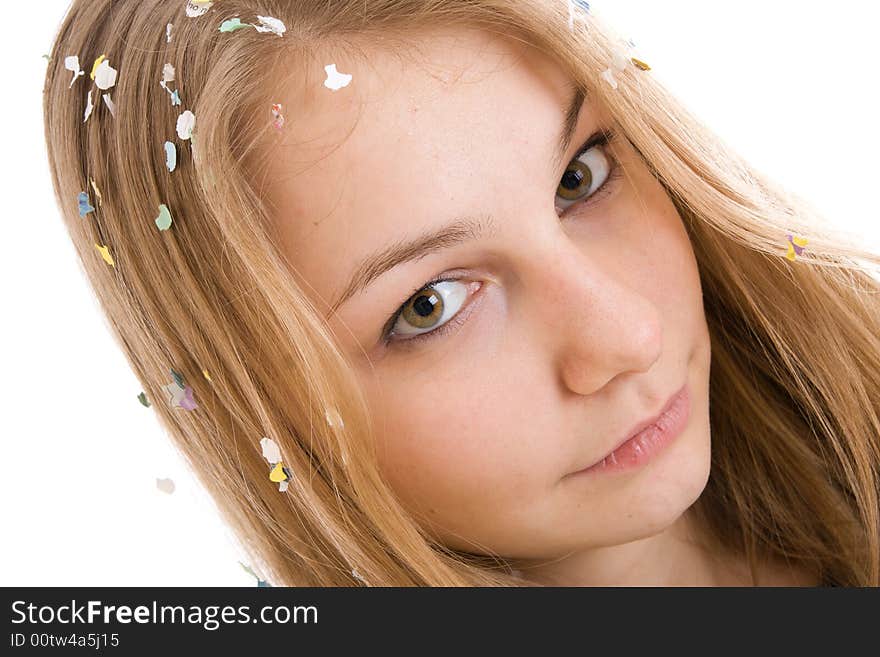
[
  {"x": 584, "y": 175},
  {"x": 430, "y": 307}
]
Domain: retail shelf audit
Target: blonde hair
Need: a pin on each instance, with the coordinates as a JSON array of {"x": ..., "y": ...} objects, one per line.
[{"x": 795, "y": 373}]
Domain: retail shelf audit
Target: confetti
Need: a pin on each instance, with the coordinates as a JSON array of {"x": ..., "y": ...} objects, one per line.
[
  {"x": 180, "y": 397},
  {"x": 165, "y": 485},
  {"x": 269, "y": 24},
  {"x": 279, "y": 474},
  {"x": 168, "y": 73},
  {"x": 185, "y": 124},
  {"x": 163, "y": 221},
  {"x": 260, "y": 582},
  {"x": 105, "y": 75},
  {"x": 108, "y": 101},
  {"x": 97, "y": 191},
  {"x": 105, "y": 253},
  {"x": 95, "y": 66},
  {"x": 335, "y": 80},
  {"x": 175, "y": 98},
  {"x": 233, "y": 24},
  {"x": 142, "y": 398},
  {"x": 271, "y": 451},
  {"x": 178, "y": 378},
  {"x": 168, "y": 29},
  {"x": 205, "y": 374},
  {"x": 358, "y": 576},
  {"x": 170, "y": 156},
  {"x": 639, "y": 64},
  {"x": 89, "y": 107},
  {"x": 85, "y": 207},
  {"x": 795, "y": 246},
  {"x": 278, "y": 116},
  {"x": 196, "y": 8},
  {"x": 71, "y": 63}
]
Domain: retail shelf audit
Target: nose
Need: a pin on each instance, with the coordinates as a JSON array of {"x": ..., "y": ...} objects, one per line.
[{"x": 600, "y": 326}]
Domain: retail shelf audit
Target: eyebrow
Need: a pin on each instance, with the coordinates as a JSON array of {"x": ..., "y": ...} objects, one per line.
[{"x": 458, "y": 232}]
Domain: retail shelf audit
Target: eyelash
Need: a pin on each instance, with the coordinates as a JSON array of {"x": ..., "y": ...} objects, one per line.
[{"x": 600, "y": 138}]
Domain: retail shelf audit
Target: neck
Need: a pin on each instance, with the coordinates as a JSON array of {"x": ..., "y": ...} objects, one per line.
[{"x": 674, "y": 557}]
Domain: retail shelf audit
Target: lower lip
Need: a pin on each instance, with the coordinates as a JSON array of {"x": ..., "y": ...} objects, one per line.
[{"x": 639, "y": 449}]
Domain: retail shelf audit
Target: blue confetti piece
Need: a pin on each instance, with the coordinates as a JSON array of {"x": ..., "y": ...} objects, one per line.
[
  {"x": 84, "y": 206},
  {"x": 175, "y": 98},
  {"x": 170, "y": 156}
]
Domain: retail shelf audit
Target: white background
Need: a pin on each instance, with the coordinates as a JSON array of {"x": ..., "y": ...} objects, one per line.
[{"x": 792, "y": 85}]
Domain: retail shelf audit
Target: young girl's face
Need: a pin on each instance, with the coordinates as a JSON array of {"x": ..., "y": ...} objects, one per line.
[{"x": 573, "y": 310}]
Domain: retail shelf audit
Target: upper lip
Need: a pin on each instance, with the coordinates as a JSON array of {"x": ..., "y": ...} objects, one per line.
[{"x": 644, "y": 424}]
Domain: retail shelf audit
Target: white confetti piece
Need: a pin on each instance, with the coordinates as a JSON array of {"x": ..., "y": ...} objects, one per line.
[
  {"x": 185, "y": 124},
  {"x": 269, "y": 24},
  {"x": 168, "y": 74},
  {"x": 608, "y": 75},
  {"x": 89, "y": 107},
  {"x": 336, "y": 80},
  {"x": 271, "y": 451},
  {"x": 71, "y": 63},
  {"x": 168, "y": 29},
  {"x": 108, "y": 101},
  {"x": 194, "y": 9},
  {"x": 165, "y": 485},
  {"x": 105, "y": 75}
]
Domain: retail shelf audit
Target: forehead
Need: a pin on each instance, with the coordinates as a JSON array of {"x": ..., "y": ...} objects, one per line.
[{"x": 415, "y": 139}]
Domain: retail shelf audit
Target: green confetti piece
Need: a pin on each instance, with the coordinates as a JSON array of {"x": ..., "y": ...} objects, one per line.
[
  {"x": 142, "y": 398},
  {"x": 163, "y": 221},
  {"x": 233, "y": 24}
]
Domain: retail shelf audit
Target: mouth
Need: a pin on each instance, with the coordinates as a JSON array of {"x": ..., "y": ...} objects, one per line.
[{"x": 647, "y": 437}]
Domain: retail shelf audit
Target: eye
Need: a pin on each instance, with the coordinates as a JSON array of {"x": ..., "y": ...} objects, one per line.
[
  {"x": 591, "y": 170},
  {"x": 428, "y": 312}
]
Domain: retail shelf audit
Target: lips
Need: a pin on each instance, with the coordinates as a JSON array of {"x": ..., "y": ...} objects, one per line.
[{"x": 644, "y": 424}]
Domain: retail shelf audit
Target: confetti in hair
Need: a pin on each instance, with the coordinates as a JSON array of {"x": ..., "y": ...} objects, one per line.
[
  {"x": 83, "y": 204},
  {"x": 170, "y": 156},
  {"x": 168, "y": 32},
  {"x": 71, "y": 63},
  {"x": 795, "y": 246},
  {"x": 335, "y": 80},
  {"x": 278, "y": 473},
  {"x": 574, "y": 14},
  {"x": 89, "y": 107},
  {"x": 359, "y": 577},
  {"x": 108, "y": 101},
  {"x": 278, "y": 117},
  {"x": 196, "y": 8},
  {"x": 233, "y": 24},
  {"x": 163, "y": 221},
  {"x": 270, "y": 24},
  {"x": 142, "y": 398},
  {"x": 185, "y": 124},
  {"x": 105, "y": 253}
]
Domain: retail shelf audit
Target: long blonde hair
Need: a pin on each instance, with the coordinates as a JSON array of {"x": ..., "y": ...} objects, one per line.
[{"x": 795, "y": 373}]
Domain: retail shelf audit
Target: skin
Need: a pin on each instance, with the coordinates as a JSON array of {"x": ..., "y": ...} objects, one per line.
[{"x": 579, "y": 323}]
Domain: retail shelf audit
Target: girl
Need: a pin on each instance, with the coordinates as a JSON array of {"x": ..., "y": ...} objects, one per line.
[{"x": 455, "y": 294}]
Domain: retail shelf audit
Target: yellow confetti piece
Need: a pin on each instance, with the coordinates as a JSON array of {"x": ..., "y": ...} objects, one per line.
[
  {"x": 205, "y": 374},
  {"x": 105, "y": 253},
  {"x": 278, "y": 474},
  {"x": 639, "y": 64},
  {"x": 97, "y": 64}
]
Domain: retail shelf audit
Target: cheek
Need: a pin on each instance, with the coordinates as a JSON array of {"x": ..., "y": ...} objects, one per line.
[{"x": 465, "y": 446}]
